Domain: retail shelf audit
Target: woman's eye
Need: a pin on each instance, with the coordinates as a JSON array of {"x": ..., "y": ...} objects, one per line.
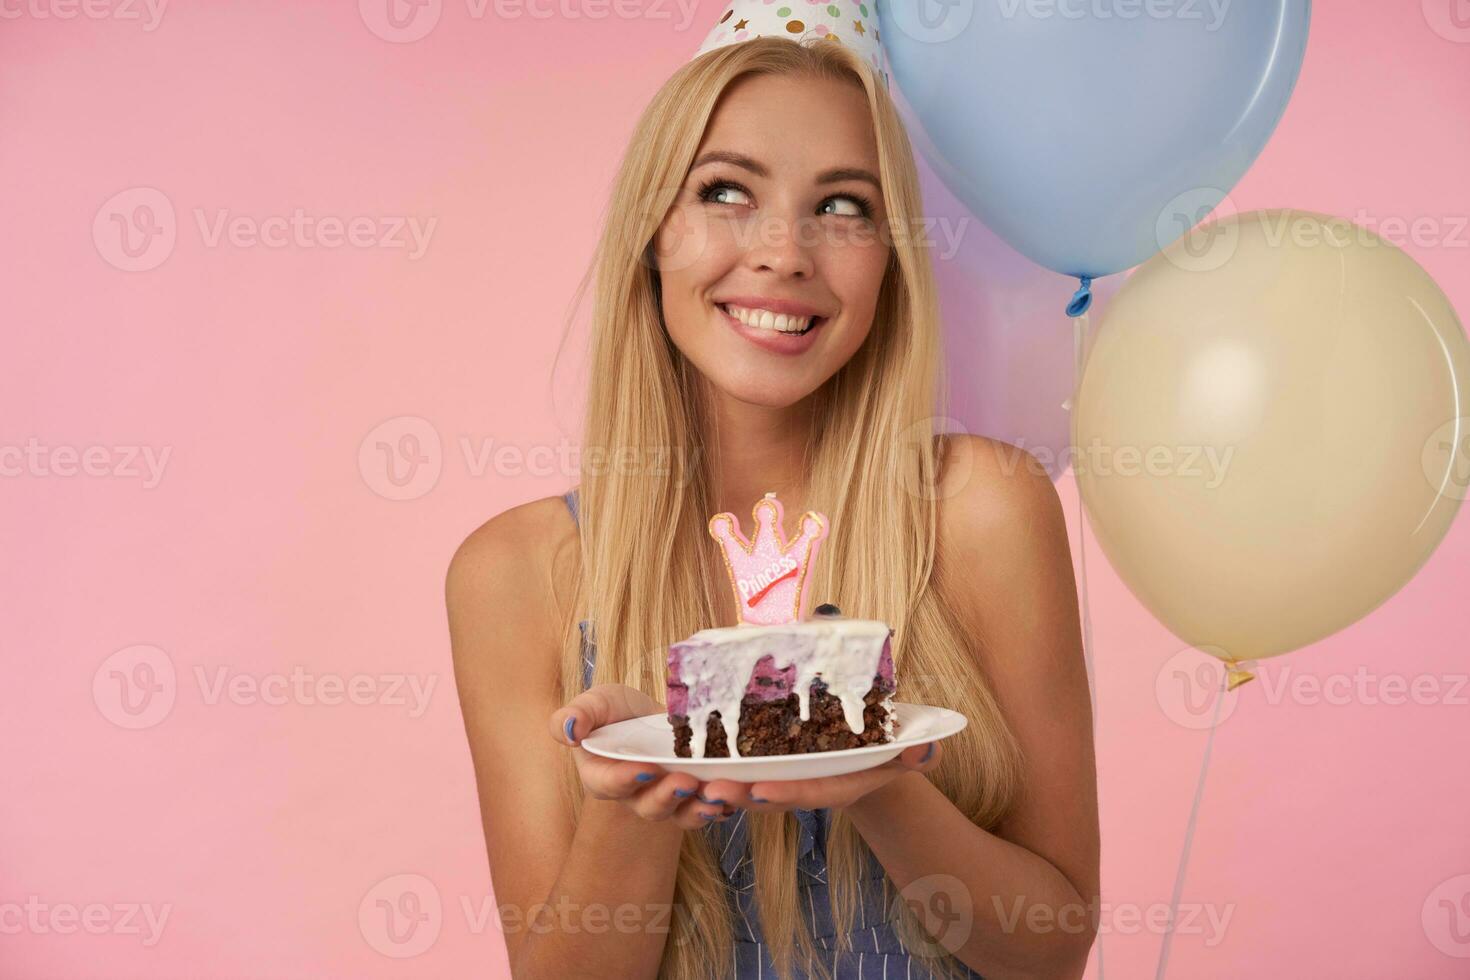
[
  {"x": 724, "y": 194},
  {"x": 853, "y": 207}
]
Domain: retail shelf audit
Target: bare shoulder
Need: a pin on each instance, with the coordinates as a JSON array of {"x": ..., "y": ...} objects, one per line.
[
  {"x": 1008, "y": 572},
  {"x": 505, "y": 574},
  {"x": 529, "y": 529},
  {"x": 1004, "y": 558},
  {"x": 499, "y": 590},
  {"x": 996, "y": 500}
]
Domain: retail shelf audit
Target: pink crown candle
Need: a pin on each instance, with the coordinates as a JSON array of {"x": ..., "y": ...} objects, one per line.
[{"x": 768, "y": 573}]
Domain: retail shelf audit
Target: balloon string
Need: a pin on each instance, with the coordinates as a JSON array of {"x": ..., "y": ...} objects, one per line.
[
  {"x": 1199, "y": 791},
  {"x": 1079, "y": 358}
]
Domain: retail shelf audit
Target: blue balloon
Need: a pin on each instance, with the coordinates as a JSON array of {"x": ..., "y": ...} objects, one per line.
[{"x": 1090, "y": 134}]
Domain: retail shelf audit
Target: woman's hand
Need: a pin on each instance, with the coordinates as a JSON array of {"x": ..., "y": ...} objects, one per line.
[
  {"x": 642, "y": 787},
  {"x": 826, "y": 791}
]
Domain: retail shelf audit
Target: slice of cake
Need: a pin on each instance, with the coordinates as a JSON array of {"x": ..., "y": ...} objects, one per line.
[
  {"x": 812, "y": 686},
  {"x": 779, "y": 683}
]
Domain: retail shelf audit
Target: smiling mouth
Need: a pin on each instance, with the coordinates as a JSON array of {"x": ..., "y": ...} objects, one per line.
[{"x": 777, "y": 323}]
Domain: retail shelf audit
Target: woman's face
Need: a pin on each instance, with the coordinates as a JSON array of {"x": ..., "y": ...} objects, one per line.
[{"x": 771, "y": 257}]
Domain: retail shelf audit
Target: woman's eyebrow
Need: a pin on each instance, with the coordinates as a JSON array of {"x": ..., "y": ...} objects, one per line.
[
  {"x": 833, "y": 176},
  {"x": 848, "y": 173}
]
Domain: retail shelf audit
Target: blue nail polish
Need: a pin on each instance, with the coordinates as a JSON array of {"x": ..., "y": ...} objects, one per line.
[
  {"x": 711, "y": 802},
  {"x": 644, "y": 777},
  {"x": 683, "y": 794},
  {"x": 709, "y": 816},
  {"x": 568, "y": 728},
  {"x": 757, "y": 799},
  {"x": 927, "y": 754}
]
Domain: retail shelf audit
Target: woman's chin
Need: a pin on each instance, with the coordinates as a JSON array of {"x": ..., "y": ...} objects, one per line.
[{"x": 766, "y": 392}]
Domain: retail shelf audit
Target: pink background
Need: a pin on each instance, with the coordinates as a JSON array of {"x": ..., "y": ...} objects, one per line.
[{"x": 277, "y": 377}]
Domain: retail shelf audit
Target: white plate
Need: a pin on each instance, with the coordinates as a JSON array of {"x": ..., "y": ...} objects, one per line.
[{"x": 651, "y": 739}]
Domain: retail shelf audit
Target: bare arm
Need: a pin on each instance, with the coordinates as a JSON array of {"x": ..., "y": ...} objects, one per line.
[
  {"x": 1019, "y": 903},
  {"x": 1034, "y": 885},
  {"x": 585, "y": 899}
]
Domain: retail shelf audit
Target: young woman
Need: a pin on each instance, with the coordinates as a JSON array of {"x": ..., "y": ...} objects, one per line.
[{"x": 772, "y": 175}]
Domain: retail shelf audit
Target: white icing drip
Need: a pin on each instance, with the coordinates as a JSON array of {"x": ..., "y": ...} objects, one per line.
[{"x": 717, "y": 664}]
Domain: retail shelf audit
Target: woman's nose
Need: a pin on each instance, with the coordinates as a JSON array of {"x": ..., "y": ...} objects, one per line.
[{"x": 783, "y": 244}]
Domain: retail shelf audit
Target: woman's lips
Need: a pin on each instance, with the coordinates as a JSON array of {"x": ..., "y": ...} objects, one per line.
[{"x": 773, "y": 340}]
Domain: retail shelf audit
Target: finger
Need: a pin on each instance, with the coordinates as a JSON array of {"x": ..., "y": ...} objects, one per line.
[
  {"x": 819, "y": 793},
  {"x": 590, "y": 710},
  {"x": 609, "y": 779},
  {"x": 726, "y": 792},
  {"x": 920, "y": 758},
  {"x": 837, "y": 791},
  {"x": 916, "y": 758},
  {"x": 694, "y": 814},
  {"x": 662, "y": 798}
]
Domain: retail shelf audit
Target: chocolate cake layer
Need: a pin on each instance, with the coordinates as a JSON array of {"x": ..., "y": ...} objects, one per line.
[{"x": 774, "y": 727}]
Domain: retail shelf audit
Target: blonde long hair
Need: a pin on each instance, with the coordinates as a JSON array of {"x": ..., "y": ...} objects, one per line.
[{"x": 648, "y": 566}]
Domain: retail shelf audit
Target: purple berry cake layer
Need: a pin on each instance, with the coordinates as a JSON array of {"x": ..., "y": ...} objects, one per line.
[{"x": 815, "y": 686}]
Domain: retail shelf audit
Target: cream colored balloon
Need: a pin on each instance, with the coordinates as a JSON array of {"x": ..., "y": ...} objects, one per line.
[{"x": 1271, "y": 429}]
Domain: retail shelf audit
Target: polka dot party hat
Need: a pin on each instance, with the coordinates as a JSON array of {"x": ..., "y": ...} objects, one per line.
[{"x": 850, "y": 22}]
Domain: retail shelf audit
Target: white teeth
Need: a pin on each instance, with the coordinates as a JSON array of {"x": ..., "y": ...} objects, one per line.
[{"x": 766, "y": 320}]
